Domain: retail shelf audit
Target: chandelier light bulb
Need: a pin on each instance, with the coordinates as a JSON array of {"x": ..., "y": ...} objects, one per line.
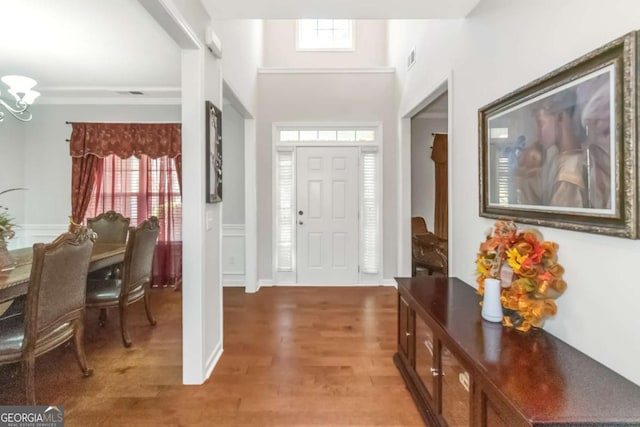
[
  {"x": 19, "y": 84},
  {"x": 30, "y": 96}
]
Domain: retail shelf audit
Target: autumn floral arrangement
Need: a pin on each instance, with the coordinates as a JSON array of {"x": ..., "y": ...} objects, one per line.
[{"x": 528, "y": 269}]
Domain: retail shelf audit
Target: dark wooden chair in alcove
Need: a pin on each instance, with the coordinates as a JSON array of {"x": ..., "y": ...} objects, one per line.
[{"x": 428, "y": 250}]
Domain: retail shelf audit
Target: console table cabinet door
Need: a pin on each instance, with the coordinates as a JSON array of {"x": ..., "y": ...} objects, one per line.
[
  {"x": 406, "y": 328},
  {"x": 455, "y": 391},
  {"x": 426, "y": 366}
]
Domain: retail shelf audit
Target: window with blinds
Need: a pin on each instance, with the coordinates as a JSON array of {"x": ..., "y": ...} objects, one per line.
[
  {"x": 138, "y": 188},
  {"x": 501, "y": 189},
  {"x": 285, "y": 210},
  {"x": 369, "y": 215},
  {"x": 504, "y": 179}
]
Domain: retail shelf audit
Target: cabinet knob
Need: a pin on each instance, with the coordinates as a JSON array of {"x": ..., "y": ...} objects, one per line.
[
  {"x": 434, "y": 372},
  {"x": 408, "y": 334}
]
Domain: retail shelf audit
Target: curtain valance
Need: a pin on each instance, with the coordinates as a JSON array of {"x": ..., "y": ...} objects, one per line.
[{"x": 126, "y": 139}]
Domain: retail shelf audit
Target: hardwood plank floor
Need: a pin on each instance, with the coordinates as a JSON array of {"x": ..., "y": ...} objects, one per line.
[{"x": 293, "y": 357}]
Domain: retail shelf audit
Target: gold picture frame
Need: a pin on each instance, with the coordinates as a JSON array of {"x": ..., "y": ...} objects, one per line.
[{"x": 561, "y": 151}]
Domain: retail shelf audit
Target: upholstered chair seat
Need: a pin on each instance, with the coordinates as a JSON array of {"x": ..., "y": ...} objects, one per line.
[
  {"x": 54, "y": 308},
  {"x": 12, "y": 337},
  {"x": 133, "y": 285}
]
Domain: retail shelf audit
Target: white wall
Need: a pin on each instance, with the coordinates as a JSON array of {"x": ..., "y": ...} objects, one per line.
[
  {"x": 500, "y": 47},
  {"x": 241, "y": 57},
  {"x": 201, "y": 79},
  {"x": 12, "y": 167},
  {"x": 233, "y": 194},
  {"x": 232, "y": 166},
  {"x": 280, "y": 47},
  {"x": 242, "y": 43},
  {"x": 423, "y": 189},
  {"x": 336, "y": 97},
  {"x": 47, "y": 163}
]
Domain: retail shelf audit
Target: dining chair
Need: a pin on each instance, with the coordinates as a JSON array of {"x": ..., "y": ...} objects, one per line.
[
  {"x": 133, "y": 285},
  {"x": 110, "y": 226},
  {"x": 55, "y": 306}
]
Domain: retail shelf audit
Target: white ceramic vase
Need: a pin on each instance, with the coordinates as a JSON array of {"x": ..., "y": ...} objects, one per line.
[{"x": 491, "y": 306}]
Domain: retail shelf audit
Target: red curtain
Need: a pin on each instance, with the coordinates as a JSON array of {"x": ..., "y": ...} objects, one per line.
[
  {"x": 105, "y": 175},
  {"x": 439, "y": 155},
  {"x": 126, "y": 139},
  {"x": 84, "y": 171},
  {"x": 138, "y": 189}
]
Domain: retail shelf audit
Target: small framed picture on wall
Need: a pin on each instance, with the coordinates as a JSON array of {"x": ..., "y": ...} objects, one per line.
[{"x": 213, "y": 153}]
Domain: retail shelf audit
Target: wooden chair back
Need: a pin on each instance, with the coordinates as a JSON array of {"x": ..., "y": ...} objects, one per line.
[
  {"x": 138, "y": 258},
  {"x": 110, "y": 226},
  {"x": 418, "y": 225},
  {"x": 57, "y": 286}
]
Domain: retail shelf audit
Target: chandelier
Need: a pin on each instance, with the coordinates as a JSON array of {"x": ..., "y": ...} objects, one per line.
[{"x": 21, "y": 89}]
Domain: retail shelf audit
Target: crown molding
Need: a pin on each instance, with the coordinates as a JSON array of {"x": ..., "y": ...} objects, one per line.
[{"x": 309, "y": 70}]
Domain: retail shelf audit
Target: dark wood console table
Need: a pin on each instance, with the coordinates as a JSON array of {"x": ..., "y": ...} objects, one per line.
[{"x": 464, "y": 371}]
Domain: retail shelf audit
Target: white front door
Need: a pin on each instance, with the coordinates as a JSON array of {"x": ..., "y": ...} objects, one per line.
[{"x": 327, "y": 215}]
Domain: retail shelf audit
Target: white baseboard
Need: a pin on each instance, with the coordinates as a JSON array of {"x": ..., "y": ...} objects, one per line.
[
  {"x": 390, "y": 282},
  {"x": 233, "y": 281},
  {"x": 335, "y": 285},
  {"x": 269, "y": 282},
  {"x": 213, "y": 361},
  {"x": 249, "y": 291},
  {"x": 265, "y": 283}
]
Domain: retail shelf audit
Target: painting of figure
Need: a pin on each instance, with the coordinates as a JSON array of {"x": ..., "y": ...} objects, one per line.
[{"x": 214, "y": 153}]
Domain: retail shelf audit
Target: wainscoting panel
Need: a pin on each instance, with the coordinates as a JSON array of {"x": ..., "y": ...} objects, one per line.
[
  {"x": 233, "y": 263},
  {"x": 28, "y": 234}
]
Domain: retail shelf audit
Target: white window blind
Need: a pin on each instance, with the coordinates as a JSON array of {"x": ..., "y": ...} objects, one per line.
[
  {"x": 285, "y": 212},
  {"x": 370, "y": 214},
  {"x": 503, "y": 172}
]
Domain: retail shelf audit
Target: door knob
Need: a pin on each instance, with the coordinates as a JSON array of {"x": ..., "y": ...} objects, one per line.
[
  {"x": 300, "y": 212},
  {"x": 300, "y": 222}
]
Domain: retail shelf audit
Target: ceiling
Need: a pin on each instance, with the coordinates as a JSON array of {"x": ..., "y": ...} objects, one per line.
[
  {"x": 87, "y": 48},
  {"x": 354, "y": 9},
  {"x": 92, "y": 49}
]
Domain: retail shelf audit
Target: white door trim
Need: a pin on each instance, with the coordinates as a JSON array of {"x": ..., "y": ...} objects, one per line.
[
  {"x": 290, "y": 278},
  {"x": 404, "y": 174}
]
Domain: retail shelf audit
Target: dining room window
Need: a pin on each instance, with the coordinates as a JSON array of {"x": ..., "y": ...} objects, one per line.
[{"x": 139, "y": 188}]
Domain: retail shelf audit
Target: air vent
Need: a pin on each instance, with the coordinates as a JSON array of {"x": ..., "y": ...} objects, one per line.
[{"x": 411, "y": 59}]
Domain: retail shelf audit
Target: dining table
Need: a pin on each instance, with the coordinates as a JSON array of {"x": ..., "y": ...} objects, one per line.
[{"x": 15, "y": 282}]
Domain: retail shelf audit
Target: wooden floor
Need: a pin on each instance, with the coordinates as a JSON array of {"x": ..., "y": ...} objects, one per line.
[{"x": 293, "y": 357}]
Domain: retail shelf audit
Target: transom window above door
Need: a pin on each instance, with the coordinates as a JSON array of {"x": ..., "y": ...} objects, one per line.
[
  {"x": 325, "y": 34},
  {"x": 328, "y": 135}
]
